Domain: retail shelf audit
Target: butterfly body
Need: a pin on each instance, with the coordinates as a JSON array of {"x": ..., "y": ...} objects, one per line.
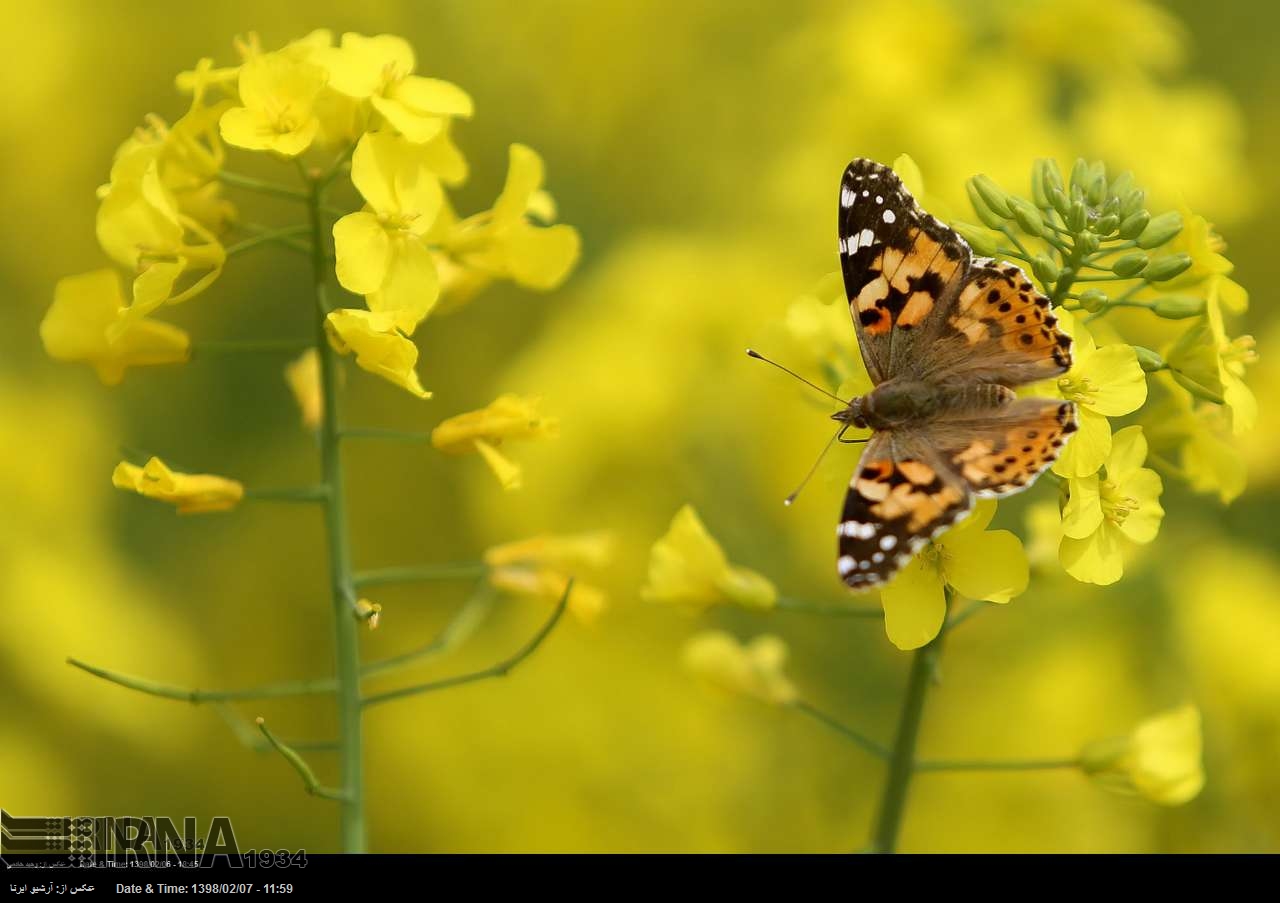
[{"x": 946, "y": 338}]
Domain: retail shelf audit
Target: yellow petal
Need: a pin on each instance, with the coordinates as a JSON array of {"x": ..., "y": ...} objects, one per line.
[
  {"x": 1097, "y": 558},
  {"x": 363, "y": 252},
  {"x": 377, "y": 158},
  {"x": 433, "y": 96},
  {"x": 189, "y": 493},
  {"x": 1119, "y": 383},
  {"x": 1128, "y": 453},
  {"x": 507, "y": 471},
  {"x": 506, "y": 417},
  {"x": 1083, "y": 512},
  {"x": 1143, "y": 487},
  {"x": 541, "y": 258},
  {"x": 754, "y": 670},
  {"x": 303, "y": 377},
  {"x": 685, "y": 565},
  {"x": 415, "y": 127},
  {"x": 524, "y": 176},
  {"x": 564, "y": 553},
  {"x": 378, "y": 347},
  {"x": 411, "y": 286},
  {"x": 989, "y": 566},
  {"x": 1088, "y": 446},
  {"x": 914, "y": 605}
]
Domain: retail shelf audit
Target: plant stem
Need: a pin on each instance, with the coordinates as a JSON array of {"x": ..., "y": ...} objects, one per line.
[
  {"x": 274, "y": 235},
  {"x": 844, "y": 730},
  {"x": 417, "y": 574},
  {"x": 995, "y": 764},
  {"x": 902, "y": 759},
  {"x": 262, "y": 186},
  {"x": 346, "y": 643},
  {"x": 300, "y": 765}
]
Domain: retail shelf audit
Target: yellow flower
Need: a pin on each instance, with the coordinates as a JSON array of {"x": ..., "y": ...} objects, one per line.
[
  {"x": 278, "y": 92},
  {"x": 76, "y": 326},
  {"x": 1103, "y": 382},
  {"x": 1102, "y": 513},
  {"x": 381, "y": 252},
  {"x": 753, "y": 670},
  {"x": 1199, "y": 433},
  {"x": 688, "y": 568},
  {"x": 540, "y": 567},
  {"x": 507, "y": 417},
  {"x": 1160, "y": 760},
  {"x": 191, "y": 493},
  {"x": 378, "y": 347},
  {"x": 1209, "y": 266},
  {"x": 1233, "y": 355},
  {"x": 303, "y": 378},
  {"x": 380, "y": 69},
  {"x": 977, "y": 563},
  {"x": 505, "y": 244}
]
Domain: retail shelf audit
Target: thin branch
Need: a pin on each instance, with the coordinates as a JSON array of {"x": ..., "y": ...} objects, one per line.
[
  {"x": 460, "y": 626},
  {"x": 501, "y": 669},
  {"x": 965, "y": 614},
  {"x": 253, "y": 740},
  {"x": 860, "y": 739},
  {"x": 261, "y": 186},
  {"x": 268, "y": 237},
  {"x": 415, "y": 574},
  {"x": 995, "y": 764},
  {"x": 197, "y": 697},
  {"x": 309, "y": 780}
]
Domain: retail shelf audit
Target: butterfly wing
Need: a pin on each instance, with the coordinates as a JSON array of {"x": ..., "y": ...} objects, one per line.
[
  {"x": 902, "y": 495},
  {"x": 999, "y": 451},
  {"x": 900, "y": 265}
]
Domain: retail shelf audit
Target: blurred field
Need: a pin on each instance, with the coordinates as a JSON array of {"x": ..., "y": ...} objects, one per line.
[{"x": 697, "y": 147}]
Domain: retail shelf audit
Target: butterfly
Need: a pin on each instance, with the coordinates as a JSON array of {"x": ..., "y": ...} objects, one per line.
[{"x": 945, "y": 337}]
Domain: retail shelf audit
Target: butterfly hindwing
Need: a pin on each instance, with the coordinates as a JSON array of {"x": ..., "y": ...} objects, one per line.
[
  {"x": 902, "y": 267},
  {"x": 902, "y": 495}
]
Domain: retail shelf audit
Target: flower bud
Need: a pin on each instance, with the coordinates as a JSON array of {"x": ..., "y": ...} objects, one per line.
[
  {"x": 1121, "y": 185},
  {"x": 1045, "y": 268},
  {"x": 1161, "y": 229},
  {"x": 1058, "y": 198},
  {"x": 985, "y": 213},
  {"x": 1105, "y": 225},
  {"x": 1080, "y": 174},
  {"x": 1111, "y": 207},
  {"x": 1077, "y": 216},
  {"x": 980, "y": 240},
  {"x": 1096, "y": 192},
  {"x": 1167, "y": 267},
  {"x": 1130, "y": 265},
  {"x": 1026, "y": 216},
  {"x": 1132, "y": 202},
  {"x": 1149, "y": 360},
  {"x": 995, "y": 196},
  {"x": 1133, "y": 224},
  {"x": 1178, "y": 307},
  {"x": 1087, "y": 242},
  {"x": 1093, "y": 300}
]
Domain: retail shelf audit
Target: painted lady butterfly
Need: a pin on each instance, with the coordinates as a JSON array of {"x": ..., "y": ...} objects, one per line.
[{"x": 945, "y": 338}]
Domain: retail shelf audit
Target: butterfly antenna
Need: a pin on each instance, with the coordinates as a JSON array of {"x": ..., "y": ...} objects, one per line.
[
  {"x": 814, "y": 469},
  {"x": 760, "y": 357}
]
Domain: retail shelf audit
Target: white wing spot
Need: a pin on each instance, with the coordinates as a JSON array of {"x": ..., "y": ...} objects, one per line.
[
  {"x": 864, "y": 565},
  {"x": 888, "y": 542},
  {"x": 866, "y": 238},
  {"x": 877, "y": 557},
  {"x": 846, "y": 197},
  {"x": 879, "y": 199},
  {"x": 845, "y": 564},
  {"x": 865, "y": 192},
  {"x": 888, "y": 216}
]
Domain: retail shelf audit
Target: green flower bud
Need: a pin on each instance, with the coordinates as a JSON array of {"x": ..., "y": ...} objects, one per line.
[
  {"x": 985, "y": 213},
  {"x": 1045, "y": 268},
  {"x": 1058, "y": 198},
  {"x": 1195, "y": 363},
  {"x": 1111, "y": 207},
  {"x": 1080, "y": 174},
  {"x": 1096, "y": 193},
  {"x": 995, "y": 196},
  {"x": 1077, "y": 216},
  {"x": 1178, "y": 307},
  {"x": 1122, "y": 184},
  {"x": 1093, "y": 300},
  {"x": 1133, "y": 225},
  {"x": 1149, "y": 360},
  {"x": 1161, "y": 229},
  {"x": 1106, "y": 225},
  {"x": 1130, "y": 265},
  {"x": 1026, "y": 216},
  {"x": 1132, "y": 202},
  {"x": 982, "y": 241},
  {"x": 1052, "y": 175},
  {"x": 1167, "y": 267},
  {"x": 1039, "y": 186},
  {"x": 1087, "y": 242}
]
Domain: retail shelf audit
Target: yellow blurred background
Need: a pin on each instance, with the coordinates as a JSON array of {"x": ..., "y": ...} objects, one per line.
[{"x": 697, "y": 147}]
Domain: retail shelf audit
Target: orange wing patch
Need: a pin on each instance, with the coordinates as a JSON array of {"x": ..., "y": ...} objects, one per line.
[
  {"x": 908, "y": 283},
  {"x": 907, "y": 490},
  {"x": 1015, "y": 449},
  {"x": 1000, "y": 304}
]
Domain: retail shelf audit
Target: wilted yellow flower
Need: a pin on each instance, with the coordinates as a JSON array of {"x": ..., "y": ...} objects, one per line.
[
  {"x": 753, "y": 670},
  {"x": 381, "y": 252},
  {"x": 191, "y": 493},
  {"x": 1160, "y": 760},
  {"x": 507, "y": 417},
  {"x": 1103, "y": 511},
  {"x": 1103, "y": 382},
  {"x": 83, "y": 310},
  {"x": 303, "y": 377},
  {"x": 278, "y": 92},
  {"x": 378, "y": 346},
  {"x": 979, "y": 564},
  {"x": 369, "y": 612},
  {"x": 503, "y": 242},
  {"x": 688, "y": 568},
  {"x": 380, "y": 69},
  {"x": 540, "y": 567}
]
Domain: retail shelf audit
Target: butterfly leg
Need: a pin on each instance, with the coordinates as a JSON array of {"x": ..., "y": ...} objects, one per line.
[{"x": 840, "y": 436}]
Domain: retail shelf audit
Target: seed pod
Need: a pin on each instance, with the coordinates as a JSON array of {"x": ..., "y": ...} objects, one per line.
[
  {"x": 1161, "y": 229},
  {"x": 1130, "y": 265},
  {"x": 1133, "y": 224},
  {"x": 1166, "y": 268},
  {"x": 1178, "y": 307}
]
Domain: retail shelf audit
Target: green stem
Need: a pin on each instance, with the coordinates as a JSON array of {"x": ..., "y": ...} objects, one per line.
[
  {"x": 893, "y": 802},
  {"x": 995, "y": 764},
  {"x": 346, "y": 643},
  {"x": 965, "y": 614},
  {"x": 501, "y": 669},
  {"x": 415, "y": 574},
  {"x": 460, "y": 626},
  {"x": 187, "y": 694},
  {"x": 801, "y": 606},
  {"x": 859, "y": 738},
  {"x": 262, "y": 186},
  {"x": 300, "y": 765},
  {"x": 269, "y": 237}
]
